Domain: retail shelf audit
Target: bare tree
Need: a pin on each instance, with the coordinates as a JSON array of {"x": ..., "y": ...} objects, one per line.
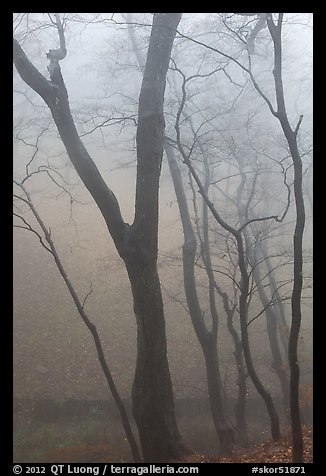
[
  {"x": 137, "y": 244},
  {"x": 291, "y": 136},
  {"x": 207, "y": 338},
  {"x": 245, "y": 278},
  {"x": 48, "y": 244},
  {"x": 255, "y": 260}
]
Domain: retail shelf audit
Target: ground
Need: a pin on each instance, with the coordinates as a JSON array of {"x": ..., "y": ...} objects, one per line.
[{"x": 267, "y": 452}]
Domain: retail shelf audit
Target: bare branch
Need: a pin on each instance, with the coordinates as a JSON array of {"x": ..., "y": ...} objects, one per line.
[
  {"x": 87, "y": 295},
  {"x": 61, "y": 52},
  {"x": 298, "y": 125},
  {"x": 31, "y": 75},
  {"x": 28, "y": 227}
]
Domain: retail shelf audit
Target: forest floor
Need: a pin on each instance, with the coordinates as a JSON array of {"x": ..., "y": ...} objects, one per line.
[{"x": 266, "y": 452}]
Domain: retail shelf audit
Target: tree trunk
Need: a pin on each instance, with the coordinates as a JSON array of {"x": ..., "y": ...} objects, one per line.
[
  {"x": 240, "y": 407},
  {"x": 92, "y": 328},
  {"x": 223, "y": 429},
  {"x": 243, "y": 301},
  {"x": 244, "y": 254},
  {"x": 206, "y": 339},
  {"x": 297, "y": 456},
  {"x": 271, "y": 320},
  {"x": 274, "y": 420},
  {"x": 283, "y": 327},
  {"x": 291, "y": 137},
  {"x": 152, "y": 396},
  {"x": 137, "y": 244}
]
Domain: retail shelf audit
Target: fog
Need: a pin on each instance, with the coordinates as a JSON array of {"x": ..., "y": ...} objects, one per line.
[{"x": 55, "y": 360}]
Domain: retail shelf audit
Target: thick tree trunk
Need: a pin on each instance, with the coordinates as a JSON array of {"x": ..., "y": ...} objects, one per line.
[
  {"x": 152, "y": 395},
  {"x": 137, "y": 244}
]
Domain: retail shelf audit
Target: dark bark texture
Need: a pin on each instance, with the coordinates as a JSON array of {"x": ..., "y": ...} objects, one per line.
[
  {"x": 207, "y": 339},
  {"x": 291, "y": 137},
  {"x": 137, "y": 243},
  {"x": 243, "y": 305}
]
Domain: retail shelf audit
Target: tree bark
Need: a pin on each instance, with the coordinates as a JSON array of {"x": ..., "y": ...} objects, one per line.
[
  {"x": 271, "y": 317},
  {"x": 206, "y": 339},
  {"x": 240, "y": 407},
  {"x": 227, "y": 435},
  {"x": 271, "y": 320},
  {"x": 291, "y": 137},
  {"x": 274, "y": 419},
  {"x": 283, "y": 327},
  {"x": 243, "y": 303},
  {"x": 92, "y": 328},
  {"x": 137, "y": 243}
]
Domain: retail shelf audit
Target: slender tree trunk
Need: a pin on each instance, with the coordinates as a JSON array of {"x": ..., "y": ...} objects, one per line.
[
  {"x": 296, "y": 310},
  {"x": 240, "y": 407},
  {"x": 271, "y": 320},
  {"x": 271, "y": 323},
  {"x": 226, "y": 432},
  {"x": 281, "y": 319},
  {"x": 291, "y": 137},
  {"x": 274, "y": 420},
  {"x": 206, "y": 339},
  {"x": 243, "y": 301},
  {"x": 228, "y": 436},
  {"x": 92, "y": 328}
]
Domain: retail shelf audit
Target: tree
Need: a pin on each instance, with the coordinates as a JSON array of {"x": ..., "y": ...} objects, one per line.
[
  {"x": 254, "y": 257},
  {"x": 136, "y": 243},
  {"x": 245, "y": 277},
  {"x": 207, "y": 338},
  {"x": 50, "y": 247},
  {"x": 291, "y": 136}
]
